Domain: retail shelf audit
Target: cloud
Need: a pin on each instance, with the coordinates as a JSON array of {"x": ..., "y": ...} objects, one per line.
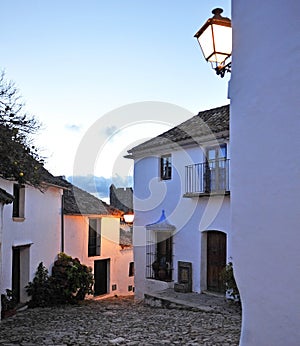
[
  {"x": 110, "y": 130},
  {"x": 100, "y": 185},
  {"x": 73, "y": 127}
]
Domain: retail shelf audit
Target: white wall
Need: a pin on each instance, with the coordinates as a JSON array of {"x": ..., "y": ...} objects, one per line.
[
  {"x": 190, "y": 216},
  {"x": 40, "y": 229},
  {"x": 76, "y": 245},
  {"x": 265, "y": 166}
]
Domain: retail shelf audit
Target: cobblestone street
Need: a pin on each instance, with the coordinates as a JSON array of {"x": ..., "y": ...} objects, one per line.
[{"x": 121, "y": 321}]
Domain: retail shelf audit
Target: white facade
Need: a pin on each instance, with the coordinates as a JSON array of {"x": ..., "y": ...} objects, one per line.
[
  {"x": 265, "y": 166},
  {"x": 39, "y": 232},
  {"x": 31, "y": 239},
  {"x": 117, "y": 259},
  {"x": 193, "y": 217}
]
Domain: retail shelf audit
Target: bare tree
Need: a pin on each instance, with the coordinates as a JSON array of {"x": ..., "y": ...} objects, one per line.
[{"x": 19, "y": 158}]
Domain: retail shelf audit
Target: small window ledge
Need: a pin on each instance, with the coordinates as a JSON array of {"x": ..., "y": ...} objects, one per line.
[
  {"x": 206, "y": 194},
  {"x": 18, "y": 219}
]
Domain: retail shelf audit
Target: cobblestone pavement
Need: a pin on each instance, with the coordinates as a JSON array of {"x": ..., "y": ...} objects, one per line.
[{"x": 121, "y": 321}]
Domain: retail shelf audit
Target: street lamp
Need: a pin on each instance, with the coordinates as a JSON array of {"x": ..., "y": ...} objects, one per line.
[
  {"x": 129, "y": 217},
  {"x": 215, "y": 39}
]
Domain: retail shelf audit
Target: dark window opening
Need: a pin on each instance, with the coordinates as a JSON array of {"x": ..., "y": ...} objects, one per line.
[
  {"x": 131, "y": 269},
  {"x": 19, "y": 200},
  {"x": 94, "y": 241},
  {"x": 165, "y": 167}
]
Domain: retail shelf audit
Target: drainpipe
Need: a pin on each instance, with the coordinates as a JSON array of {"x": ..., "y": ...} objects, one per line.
[{"x": 62, "y": 224}]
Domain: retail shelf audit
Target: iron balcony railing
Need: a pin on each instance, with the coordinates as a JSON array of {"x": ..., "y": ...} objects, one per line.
[{"x": 207, "y": 177}]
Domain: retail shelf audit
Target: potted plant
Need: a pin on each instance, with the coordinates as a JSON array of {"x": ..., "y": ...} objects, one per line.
[
  {"x": 8, "y": 304},
  {"x": 231, "y": 289}
]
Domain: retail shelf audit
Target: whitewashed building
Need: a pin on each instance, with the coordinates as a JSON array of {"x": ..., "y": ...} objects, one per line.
[
  {"x": 265, "y": 166},
  {"x": 94, "y": 234},
  {"x": 38, "y": 223},
  {"x": 30, "y": 231},
  {"x": 182, "y": 206},
  {"x": 5, "y": 198}
]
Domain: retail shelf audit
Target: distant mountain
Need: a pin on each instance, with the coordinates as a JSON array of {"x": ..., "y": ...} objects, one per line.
[{"x": 99, "y": 186}]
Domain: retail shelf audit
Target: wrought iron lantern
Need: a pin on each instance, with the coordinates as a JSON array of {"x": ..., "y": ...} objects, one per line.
[{"x": 215, "y": 39}]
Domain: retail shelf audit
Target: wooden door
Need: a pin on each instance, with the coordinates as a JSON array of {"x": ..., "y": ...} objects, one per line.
[
  {"x": 216, "y": 260},
  {"x": 100, "y": 276}
]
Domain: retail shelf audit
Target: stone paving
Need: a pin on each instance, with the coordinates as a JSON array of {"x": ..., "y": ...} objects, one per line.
[{"x": 122, "y": 321}]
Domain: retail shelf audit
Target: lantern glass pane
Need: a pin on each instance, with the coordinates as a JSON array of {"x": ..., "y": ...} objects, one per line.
[
  {"x": 206, "y": 42},
  {"x": 223, "y": 42}
]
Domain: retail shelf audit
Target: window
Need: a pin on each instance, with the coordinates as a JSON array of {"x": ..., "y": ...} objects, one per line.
[
  {"x": 159, "y": 255},
  {"x": 19, "y": 201},
  {"x": 94, "y": 242},
  {"x": 216, "y": 173},
  {"x": 165, "y": 167},
  {"x": 131, "y": 269}
]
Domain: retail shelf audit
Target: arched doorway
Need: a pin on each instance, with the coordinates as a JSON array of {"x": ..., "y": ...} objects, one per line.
[{"x": 215, "y": 260}]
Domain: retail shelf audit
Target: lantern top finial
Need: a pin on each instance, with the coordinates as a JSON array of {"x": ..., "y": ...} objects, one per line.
[{"x": 217, "y": 12}]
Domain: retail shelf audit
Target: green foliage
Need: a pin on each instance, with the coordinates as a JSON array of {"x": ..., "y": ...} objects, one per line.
[
  {"x": 40, "y": 289},
  {"x": 230, "y": 283},
  {"x": 19, "y": 159},
  {"x": 72, "y": 279},
  {"x": 70, "y": 282}
]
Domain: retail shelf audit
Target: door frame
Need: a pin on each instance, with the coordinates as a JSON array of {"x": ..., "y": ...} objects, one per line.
[
  {"x": 106, "y": 263},
  {"x": 20, "y": 271},
  {"x": 204, "y": 257}
]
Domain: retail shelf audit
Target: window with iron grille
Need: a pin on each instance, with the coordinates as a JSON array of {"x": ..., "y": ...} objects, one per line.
[
  {"x": 166, "y": 167},
  {"x": 94, "y": 241},
  {"x": 159, "y": 255}
]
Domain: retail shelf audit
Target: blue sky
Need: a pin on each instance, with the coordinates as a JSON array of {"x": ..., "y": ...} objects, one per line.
[{"x": 74, "y": 61}]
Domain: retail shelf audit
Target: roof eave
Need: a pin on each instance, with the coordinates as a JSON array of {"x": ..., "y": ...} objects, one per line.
[{"x": 190, "y": 142}]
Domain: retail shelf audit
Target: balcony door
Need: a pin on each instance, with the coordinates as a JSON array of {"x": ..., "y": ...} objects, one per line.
[{"x": 215, "y": 174}]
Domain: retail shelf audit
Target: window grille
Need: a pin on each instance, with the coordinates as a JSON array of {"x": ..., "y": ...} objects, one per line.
[{"x": 159, "y": 255}]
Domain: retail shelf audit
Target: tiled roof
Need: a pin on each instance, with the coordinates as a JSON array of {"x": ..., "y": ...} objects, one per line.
[
  {"x": 50, "y": 179},
  {"x": 5, "y": 197},
  {"x": 80, "y": 202},
  {"x": 212, "y": 123}
]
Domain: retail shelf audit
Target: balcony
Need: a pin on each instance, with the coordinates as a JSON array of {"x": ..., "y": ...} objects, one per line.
[{"x": 207, "y": 178}]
